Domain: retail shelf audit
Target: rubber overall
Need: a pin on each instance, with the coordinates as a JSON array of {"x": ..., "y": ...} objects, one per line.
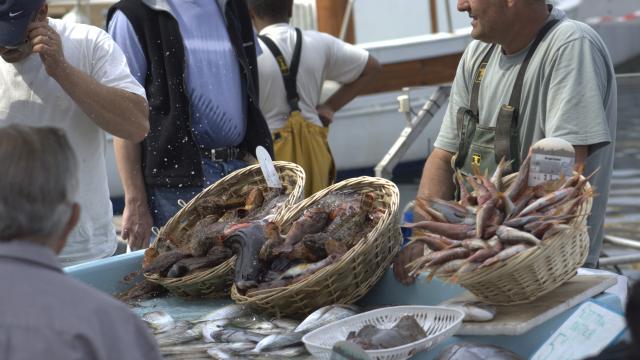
[
  {"x": 301, "y": 141},
  {"x": 484, "y": 146}
]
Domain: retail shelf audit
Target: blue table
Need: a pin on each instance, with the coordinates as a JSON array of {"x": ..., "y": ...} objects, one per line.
[{"x": 107, "y": 274}]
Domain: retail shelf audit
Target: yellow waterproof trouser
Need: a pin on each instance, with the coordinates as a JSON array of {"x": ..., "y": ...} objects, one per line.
[{"x": 305, "y": 143}]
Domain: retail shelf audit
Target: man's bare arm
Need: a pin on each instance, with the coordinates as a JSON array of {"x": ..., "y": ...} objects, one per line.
[
  {"x": 436, "y": 181},
  {"x": 136, "y": 218},
  {"x": 118, "y": 112},
  {"x": 349, "y": 91}
]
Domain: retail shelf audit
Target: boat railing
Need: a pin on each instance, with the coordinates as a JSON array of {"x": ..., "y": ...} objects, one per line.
[{"x": 414, "y": 126}]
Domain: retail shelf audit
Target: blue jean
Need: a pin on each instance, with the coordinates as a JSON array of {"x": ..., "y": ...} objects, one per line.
[{"x": 163, "y": 201}]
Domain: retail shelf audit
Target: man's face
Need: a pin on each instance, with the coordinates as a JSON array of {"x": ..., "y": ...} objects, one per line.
[
  {"x": 21, "y": 51},
  {"x": 488, "y": 18}
]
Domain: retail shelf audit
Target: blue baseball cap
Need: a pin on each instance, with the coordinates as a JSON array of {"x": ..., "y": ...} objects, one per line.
[{"x": 15, "y": 16}]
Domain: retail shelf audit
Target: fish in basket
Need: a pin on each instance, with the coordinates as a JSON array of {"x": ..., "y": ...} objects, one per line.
[
  {"x": 538, "y": 230},
  {"x": 190, "y": 256},
  {"x": 332, "y": 248}
]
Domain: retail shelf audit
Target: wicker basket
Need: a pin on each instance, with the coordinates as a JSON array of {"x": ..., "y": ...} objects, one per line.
[
  {"x": 534, "y": 272},
  {"x": 353, "y": 275},
  {"x": 215, "y": 282}
]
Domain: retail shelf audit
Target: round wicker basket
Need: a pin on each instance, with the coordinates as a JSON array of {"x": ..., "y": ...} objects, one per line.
[
  {"x": 353, "y": 275},
  {"x": 534, "y": 272},
  {"x": 216, "y": 281}
]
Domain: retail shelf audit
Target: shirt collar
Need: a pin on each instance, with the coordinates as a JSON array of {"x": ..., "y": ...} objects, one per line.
[
  {"x": 26, "y": 251},
  {"x": 274, "y": 28}
]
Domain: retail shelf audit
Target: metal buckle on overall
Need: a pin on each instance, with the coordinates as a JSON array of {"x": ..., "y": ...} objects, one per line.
[{"x": 224, "y": 154}]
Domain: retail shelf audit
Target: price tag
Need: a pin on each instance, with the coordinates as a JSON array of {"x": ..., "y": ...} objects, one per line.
[
  {"x": 586, "y": 332},
  {"x": 546, "y": 167},
  {"x": 268, "y": 170}
]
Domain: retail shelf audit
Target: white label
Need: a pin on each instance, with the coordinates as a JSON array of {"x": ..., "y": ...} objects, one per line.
[
  {"x": 545, "y": 167},
  {"x": 268, "y": 170},
  {"x": 585, "y": 333}
]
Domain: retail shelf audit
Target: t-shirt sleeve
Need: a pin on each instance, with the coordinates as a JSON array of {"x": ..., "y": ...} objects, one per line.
[
  {"x": 109, "y": 65},
  {"x": 577, "y": 93},
  {"x": 345, "y": 62},
  {"x": 122, "y": 32},
  {"x": 448, "y": 136}
]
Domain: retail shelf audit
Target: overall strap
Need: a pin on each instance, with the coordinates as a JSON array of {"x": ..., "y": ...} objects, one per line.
[
  {"x": 506, "y": 140},
  {"x": 467, "y": 119},
  {"x": 477, "y": 80},
  {"x": 289, "y": 74}
]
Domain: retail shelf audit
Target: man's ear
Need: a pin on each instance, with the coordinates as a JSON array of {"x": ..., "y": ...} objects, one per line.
[
  {"x": 42, "y": 13},
  {"x": 71, "y": 224}
]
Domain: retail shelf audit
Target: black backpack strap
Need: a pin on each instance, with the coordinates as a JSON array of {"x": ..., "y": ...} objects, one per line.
[
  {"x": 506, "y": 140},
  {"x": 289, "y": 74}
]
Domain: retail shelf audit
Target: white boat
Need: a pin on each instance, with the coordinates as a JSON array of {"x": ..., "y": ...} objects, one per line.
[{"x": 366, "y": 128}]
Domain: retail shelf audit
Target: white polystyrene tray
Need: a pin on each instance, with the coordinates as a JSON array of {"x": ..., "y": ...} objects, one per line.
[{"x": 438, "y": 322}]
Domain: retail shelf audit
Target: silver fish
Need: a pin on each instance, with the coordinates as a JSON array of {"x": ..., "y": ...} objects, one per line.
[
  {"x": 282, "y": 353},
  {"x": 211, "y": 327},
  {"x": 221, "y": 354},
  {"x": 180, "y": 327},
  {"x": 159, "y": 321},
  {"x": 232, "y": 311},
  {"x": 287, "y": 324},
  {"x": 234, "y": 347},
  {"x": 345, "y": 350},
  {"x": 277, "y": 341},
  {"x": 326, "y": 315},
  {"x": 185, "y": 349},
  {"x": 474, "y": 310},
  {"x": 177, "y": 339},
  {"x": 232, "y": 336}
]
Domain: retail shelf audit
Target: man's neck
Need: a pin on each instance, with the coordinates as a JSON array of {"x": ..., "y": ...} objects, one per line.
[
  {"x": 525, "y": 32},
  {"x": 261, "y": 23}
]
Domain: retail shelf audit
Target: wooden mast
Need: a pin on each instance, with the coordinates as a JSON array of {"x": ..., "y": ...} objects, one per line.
[
  {"x": 330, "y": 15},
  {"x": 433, "y": 11}
]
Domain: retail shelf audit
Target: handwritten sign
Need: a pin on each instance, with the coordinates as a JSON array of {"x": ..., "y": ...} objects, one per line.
[{"x": 585, "y": 333}]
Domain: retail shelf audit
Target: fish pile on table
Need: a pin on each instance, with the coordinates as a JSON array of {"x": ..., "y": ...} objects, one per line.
[
  {"x": 322, "y": 234},
  {"x": 490, "y": 224},
  {"x": 235, "y": 332},
  {"x": 405, "y": 331},
  {"x": 203, "y": 247}
]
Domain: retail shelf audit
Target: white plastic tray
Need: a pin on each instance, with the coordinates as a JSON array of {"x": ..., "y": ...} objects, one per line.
[{"x": 438, "y": 322}]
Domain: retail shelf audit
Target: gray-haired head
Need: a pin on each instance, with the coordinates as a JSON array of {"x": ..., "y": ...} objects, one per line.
[{"x": 38, "y": 186}]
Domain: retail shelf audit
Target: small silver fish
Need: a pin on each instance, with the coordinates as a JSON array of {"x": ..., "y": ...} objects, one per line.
[
  {"x": 232, "y": 336},
  {"x": 277, "y": 341},
  {"x": 220, "y": 354},
  {"x": 211, "y": 327},
  {"x": 345, "y": 350},
  {"x": 232, "y": 311},
  {"x": 287, "y": 324},
  {"x": 326, "y": 315},
  {"x": 177, "y": 339},
  {"x": 180, "y": 327},
  {"x": 282, "y": 353},
  {"x": 159, "y": 321},
  {"x": 475, "y": 311}
]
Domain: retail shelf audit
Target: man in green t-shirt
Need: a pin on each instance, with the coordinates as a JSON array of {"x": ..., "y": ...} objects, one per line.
[{"x": 568, "y": 91}]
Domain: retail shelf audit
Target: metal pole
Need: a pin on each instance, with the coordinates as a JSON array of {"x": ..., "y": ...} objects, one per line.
[
  {"x": 615, "y": 240},
  {"x": 449, "y": 21},
  {"x": 619, "y": 260},
  {"x": 411, "y": 132}
]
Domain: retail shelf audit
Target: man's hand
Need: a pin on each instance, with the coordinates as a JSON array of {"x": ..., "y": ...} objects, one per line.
[
  {"x": 325, "y": 113},
  {"x": 46, "y": 42},
  {"x": 136, "y": 225}
]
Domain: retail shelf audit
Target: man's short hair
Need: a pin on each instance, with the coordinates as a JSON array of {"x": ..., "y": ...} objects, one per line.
[
  {"x": 270, "y": 9},
  {"x": 38, "y": 184}
]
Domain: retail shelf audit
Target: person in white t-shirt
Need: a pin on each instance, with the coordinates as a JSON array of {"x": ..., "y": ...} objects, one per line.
[
  {"x": 323, "y": 57},
  {"x": 73, "y": 77}
]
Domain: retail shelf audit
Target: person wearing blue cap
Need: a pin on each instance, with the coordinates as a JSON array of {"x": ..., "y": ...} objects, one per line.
[{"x": 73, "y": 77}]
